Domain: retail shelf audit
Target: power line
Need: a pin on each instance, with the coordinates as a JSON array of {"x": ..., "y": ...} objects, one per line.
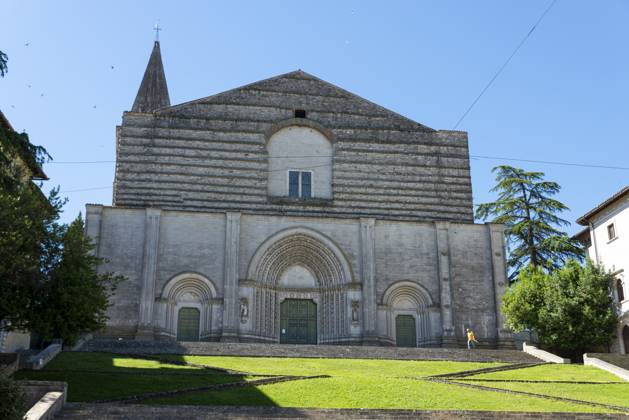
[
  {"x": 86, "y": 189},
  {"x": 80, "y": 162},
  {"x": 491, "y": 81},
  {"x": 550, "y": 162},
  {"x": 545, "y": 162}
]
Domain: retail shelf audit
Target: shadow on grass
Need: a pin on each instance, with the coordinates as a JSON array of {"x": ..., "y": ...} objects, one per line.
[{"x": 113, "y": 376}]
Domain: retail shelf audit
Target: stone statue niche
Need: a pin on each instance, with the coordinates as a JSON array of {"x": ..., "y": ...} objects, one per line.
[
  {"x": 244, "y": 310},
  {"x": 355, "y": 312}
]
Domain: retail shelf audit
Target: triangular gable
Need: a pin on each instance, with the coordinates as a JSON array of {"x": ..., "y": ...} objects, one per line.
[{"x": 295, "y": 83}]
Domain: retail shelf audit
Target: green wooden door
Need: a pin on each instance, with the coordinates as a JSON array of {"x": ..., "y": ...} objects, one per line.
[
  {"x": 298, "y": 322},
  {"x": 188, "y": 324},
  {"x": 405, "y": 332}
]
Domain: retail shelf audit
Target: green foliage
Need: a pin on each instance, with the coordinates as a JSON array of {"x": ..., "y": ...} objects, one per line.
[
  {"x": 29, "y": 230},
  {"x": 571, "y": 308},
  {"x": 3, "y": 64},
  {"x": 75, "y": 296},
  {"x": 530, "y": 216},
  {"x": 48, "y": 278},
  {"x": 12, "y": 400}
]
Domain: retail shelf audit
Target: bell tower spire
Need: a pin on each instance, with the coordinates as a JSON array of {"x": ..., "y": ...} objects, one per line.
[{"x": 153, "y": 92}]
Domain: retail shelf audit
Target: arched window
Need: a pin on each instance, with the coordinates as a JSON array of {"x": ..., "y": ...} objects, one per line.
[
  {"x": 620, "y": 290},
  {"x": 300, "y": 163}
]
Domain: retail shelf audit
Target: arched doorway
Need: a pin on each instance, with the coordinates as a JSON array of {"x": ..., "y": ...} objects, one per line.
[
  {"x": 188, "y": 298},
  {"x": 407, "y": 314},
  {"x": 309, "y": 272},
  {"x": 298, "y": 321},
  {"x": 188, "y": 324},
  {"x": 625, "y": 338},
  {"x": 405, "y": 331}
]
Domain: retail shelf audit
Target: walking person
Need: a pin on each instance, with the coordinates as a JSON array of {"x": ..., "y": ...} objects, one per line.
[{"x": 471, "y": 339}]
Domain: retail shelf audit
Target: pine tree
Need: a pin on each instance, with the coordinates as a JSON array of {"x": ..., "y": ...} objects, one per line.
[
  {"x": 530, "y": 215},
  {"x": 75, "y": 297},
  {"x": 3, "y": 64}
]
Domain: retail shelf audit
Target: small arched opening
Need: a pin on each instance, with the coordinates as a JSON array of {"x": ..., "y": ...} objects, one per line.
[
  {"x": 407, "y": 306},
  {"x": 186, "y": 306}
]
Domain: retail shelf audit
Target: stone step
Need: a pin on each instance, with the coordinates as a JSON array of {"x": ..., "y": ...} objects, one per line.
[
  {"x": 141, "y": 412},
  {"x": 314, "y": 351}
]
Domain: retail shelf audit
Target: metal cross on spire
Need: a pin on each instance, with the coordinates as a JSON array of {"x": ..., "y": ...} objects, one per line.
[{"x": 156, "y": 28}]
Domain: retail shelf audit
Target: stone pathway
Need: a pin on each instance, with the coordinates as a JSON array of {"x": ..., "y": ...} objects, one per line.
[{"x": 141, "y": 412}]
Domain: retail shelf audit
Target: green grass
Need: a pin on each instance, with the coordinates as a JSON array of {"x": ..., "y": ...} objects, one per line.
[
  {"x": 96, "y": 376},
  {"x": 333, "y": 367},
  {"x": 553, "y": 373},
  {"x": 373, "y": 392},
  {"x": 352, "y": 383},
  {"x": 613, "y": 394}
]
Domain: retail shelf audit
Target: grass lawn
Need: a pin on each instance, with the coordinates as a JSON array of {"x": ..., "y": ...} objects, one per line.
[
  {"x": 553, "y": 372},
  {"x": 352, "y": 383},
  {"x": 96, "y": 376},
  {"x": 613, "y": 394}
]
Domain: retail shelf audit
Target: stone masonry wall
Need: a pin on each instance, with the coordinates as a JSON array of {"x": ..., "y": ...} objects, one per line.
[
  {"x": 459, "y": 274},
  {"x": 211, "y": 155}
]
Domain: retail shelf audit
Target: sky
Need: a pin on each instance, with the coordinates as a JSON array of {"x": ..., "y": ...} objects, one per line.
[{"x": 75, "y": 67}]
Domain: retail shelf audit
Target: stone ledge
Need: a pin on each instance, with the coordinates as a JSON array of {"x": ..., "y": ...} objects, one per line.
[
  {"x": 46, "y": 398},
  {"x": 601, "y": 364},
  {"x": 319, "y": 202},
  {"x": 542, "y": 354},
  {"x": 125, "y": 411},
  {"x": 46, "y": 407}
]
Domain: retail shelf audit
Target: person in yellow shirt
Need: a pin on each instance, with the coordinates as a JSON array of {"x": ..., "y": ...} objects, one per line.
[{"x": 471, "y": 339}]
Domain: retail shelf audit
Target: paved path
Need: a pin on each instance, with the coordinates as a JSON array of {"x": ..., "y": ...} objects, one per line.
[
  {"x": 315, "y": 351},
  {"x": 141, "y": 412}
]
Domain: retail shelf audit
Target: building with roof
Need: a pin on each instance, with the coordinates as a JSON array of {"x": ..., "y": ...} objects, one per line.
[
  {"x": 290, "y": 210},
  {"x": 606, "y": 238}
]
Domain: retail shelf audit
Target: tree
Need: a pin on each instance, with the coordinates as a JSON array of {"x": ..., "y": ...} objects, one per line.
[
  {"x": 3, "y": 64},
  {"x": 75, "y": 297},
  {"x": 28, "y": 228},
  {"x": 12, "y": 401},
  {"x": 530, "y": 216},
  {"x": 571, "y": 308}
]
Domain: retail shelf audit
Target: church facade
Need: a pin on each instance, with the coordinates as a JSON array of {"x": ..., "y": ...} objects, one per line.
[{"x": 292, "y": 211}]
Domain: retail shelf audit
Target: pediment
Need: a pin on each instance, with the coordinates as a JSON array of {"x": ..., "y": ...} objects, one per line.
[{"x": 275, "y": 99}]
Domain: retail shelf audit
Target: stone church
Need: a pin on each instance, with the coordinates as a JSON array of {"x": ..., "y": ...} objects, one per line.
[{"x": 292, "y": 211}]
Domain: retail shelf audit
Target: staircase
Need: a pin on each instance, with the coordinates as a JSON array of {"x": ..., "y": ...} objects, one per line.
[{"x": 314, "y": 351}]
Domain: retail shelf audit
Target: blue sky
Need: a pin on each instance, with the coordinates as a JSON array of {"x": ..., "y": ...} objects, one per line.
[{"x": 564, "y": 96}]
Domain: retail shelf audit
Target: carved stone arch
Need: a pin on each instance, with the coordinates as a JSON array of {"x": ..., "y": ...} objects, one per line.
[
  {"x": 318, "y": 255},
  {"x": 299, "y": 122},
  {"x": 189, "y": 282},
  {"x": 408, "y": 298},
  {"x": 408, "y": 289},
  {"x": 300, "y": 246},
  {"x": 305, "y": 149},
  {"x": 187, "y": 290}
]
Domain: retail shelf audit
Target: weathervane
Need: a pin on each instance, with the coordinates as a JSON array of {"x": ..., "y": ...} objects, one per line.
[{"x": 156, "y": 28}]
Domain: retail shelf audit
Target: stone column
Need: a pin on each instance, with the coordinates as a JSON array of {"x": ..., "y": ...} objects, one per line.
[
  {"x": 93, "y": 220},
  {"x": 499, "y": 272},
  {"x": 445, "y": 284},
  {"x": 230, "y": 284},
  {"x": 368, "y": 267},
  {"x": 149, "y": 272}
]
